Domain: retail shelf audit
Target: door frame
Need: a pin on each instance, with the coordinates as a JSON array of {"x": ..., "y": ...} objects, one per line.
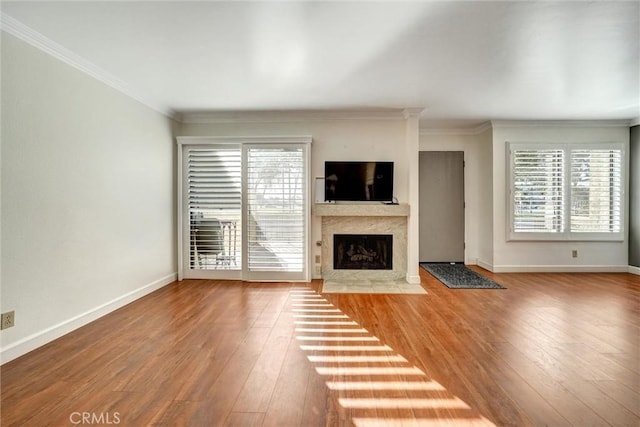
[{"x": 183, "y": 225}]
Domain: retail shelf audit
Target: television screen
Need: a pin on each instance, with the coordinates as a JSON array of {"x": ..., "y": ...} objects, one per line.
[{"x": 358, "y": 181}]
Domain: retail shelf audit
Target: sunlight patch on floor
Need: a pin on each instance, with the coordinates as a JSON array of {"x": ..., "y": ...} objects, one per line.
[
  {"x": 321, "y": 338},
  {"x": 368, "y": 370},
  {"x": 333, "y": 331},
  {"x": 358, "y": 359},
  {"x": 422, "y": 422},
  {"x": 308, "y": 304},
  {"x": 367, "y": 375},
  {"x": 303, "y": 322},
  {"x": 320, "y": 316},
  {"x": 453, "y": 403},
  {"x": 384, "y": 385},
  {"x": 342, "y": 348}
]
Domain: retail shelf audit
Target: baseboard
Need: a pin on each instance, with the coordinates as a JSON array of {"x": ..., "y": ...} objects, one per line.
[
  {"x": 413, "y": 280},
  {"x": 560, "y": 269},
  {"x": 41, "y": 338},
  {"x": 634, "y": 270},
  {"x": 485, "y": 265}
]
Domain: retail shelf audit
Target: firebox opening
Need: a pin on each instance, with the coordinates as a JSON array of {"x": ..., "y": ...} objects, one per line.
[{"x": 362, "y": 251}]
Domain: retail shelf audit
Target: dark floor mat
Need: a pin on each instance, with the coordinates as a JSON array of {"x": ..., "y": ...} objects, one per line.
[{"x": 458, "y": 276}]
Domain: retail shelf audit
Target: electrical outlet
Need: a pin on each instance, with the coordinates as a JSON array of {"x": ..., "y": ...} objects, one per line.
[
  {"x": 8, "y": 319},
  {"x": 574, "y": 253},
  {"x": 317, "y": 259}
]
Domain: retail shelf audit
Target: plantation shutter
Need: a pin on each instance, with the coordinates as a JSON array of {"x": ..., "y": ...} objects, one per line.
[
  {"x": 596, "y": 190},
  {"x": 276, "y": 209},
  {"x": 538, "y": 188},
  {"x": 244, "y": 211},
  {"x": 214, "y": 207}
]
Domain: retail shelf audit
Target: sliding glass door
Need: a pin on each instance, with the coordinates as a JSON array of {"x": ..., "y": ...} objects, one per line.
[{"x": 244, "y": 210}]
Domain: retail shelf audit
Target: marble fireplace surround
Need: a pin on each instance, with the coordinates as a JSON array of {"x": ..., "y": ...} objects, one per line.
[{"x": 364, "y": 219}]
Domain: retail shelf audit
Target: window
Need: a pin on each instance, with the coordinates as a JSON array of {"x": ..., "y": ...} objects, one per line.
[
  {"x": 596, "y": 191},
  {"x": 538, "y": 186},
  {"x": 566, "y": 191}
]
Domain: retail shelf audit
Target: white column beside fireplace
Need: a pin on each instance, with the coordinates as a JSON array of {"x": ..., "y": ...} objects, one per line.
[{"x": 364, "y": 219}]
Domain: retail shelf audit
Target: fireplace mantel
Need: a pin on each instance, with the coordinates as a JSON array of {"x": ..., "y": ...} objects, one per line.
[
  {"x": 364, "y": 218},
  {"x": 360, "y": 209}
]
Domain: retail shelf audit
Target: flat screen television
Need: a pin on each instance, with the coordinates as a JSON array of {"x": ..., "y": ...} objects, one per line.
[{"x": 358, "y": 181}]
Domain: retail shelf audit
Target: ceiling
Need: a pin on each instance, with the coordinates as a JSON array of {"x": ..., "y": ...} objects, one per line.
[{"x": 463, "y": 62}]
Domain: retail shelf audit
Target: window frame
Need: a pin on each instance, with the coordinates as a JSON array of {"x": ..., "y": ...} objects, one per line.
[{"x": 566, "y": 234}]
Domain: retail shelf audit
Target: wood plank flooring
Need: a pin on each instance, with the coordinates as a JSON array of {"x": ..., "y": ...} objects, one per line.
[{"x": 551, "y": 350}]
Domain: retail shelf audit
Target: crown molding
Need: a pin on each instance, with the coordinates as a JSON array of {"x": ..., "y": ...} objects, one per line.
[
  {"x": 284, "y": 139},
  {"x": 528, "y": 123},
  {"x": 634, "y": 122},
  {"x": 17, "y": 29},
  {"x": 457, "y": 131},
  {"x": 408, "y": 113},
  {"x": 288, "y": 116},
  {"x": 560, "y": 123}
]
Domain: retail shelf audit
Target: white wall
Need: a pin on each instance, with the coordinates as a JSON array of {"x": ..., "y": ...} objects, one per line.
[
  {"x": 355, "y": 139},
  {"x": 634, "y": 199},
  {"x": 549, "y": 256},
  {"x": 87, "y": 198},
  {"x": 485, "y": 199},
  {"x": 477, "y": 187}
]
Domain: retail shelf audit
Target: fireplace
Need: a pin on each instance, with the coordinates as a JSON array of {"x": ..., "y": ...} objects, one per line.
[
  {"x": 370, "y": 219},
  {"x": 362, "y": 252}
]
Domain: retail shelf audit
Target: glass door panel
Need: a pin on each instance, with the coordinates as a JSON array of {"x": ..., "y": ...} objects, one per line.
[
  {"x": 276, "y": 189},
  {"x": 214, "y": 209}
]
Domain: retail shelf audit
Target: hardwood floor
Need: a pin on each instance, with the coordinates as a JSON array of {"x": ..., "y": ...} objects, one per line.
[{"x": 552, "y": 349}]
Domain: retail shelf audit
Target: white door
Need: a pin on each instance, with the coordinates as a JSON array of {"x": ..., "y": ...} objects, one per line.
[{"x": 441, "y": 206}]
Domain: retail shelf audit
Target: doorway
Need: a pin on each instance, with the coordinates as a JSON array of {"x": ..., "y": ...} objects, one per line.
[{"x": 441, "y": 219}]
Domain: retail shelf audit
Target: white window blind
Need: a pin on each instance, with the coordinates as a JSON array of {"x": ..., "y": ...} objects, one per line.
[
  {"x": 596, "y": 190},
  {"x": 538, "y": 187},
  {"x": 566, "y": 191},
  {"x": 275, "y": 208},
  {"x": 214, "y": 207}
]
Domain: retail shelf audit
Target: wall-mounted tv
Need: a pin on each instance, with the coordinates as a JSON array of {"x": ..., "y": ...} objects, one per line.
[{"x": 358, "y": 181}]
